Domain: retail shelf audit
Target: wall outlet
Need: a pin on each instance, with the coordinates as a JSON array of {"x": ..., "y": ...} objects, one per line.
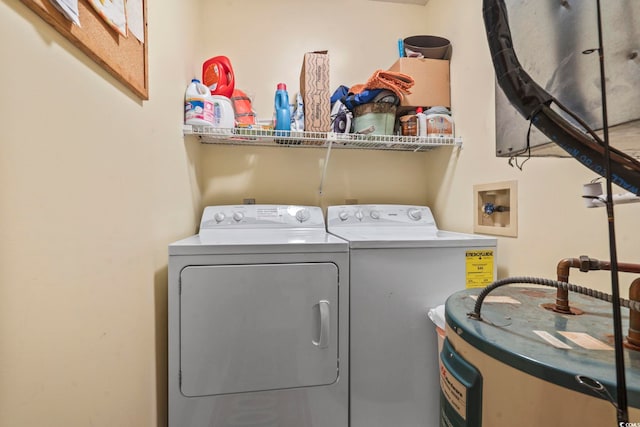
[
  {"x": 496, "y": 208},
  {"x": 350, "y": 201},
  {"x": 248, "y": 201}
]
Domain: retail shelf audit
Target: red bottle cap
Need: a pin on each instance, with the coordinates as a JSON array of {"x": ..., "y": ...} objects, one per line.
[
  {"x": 282, "y": 86},
  {"x": 418, "y": 110}
]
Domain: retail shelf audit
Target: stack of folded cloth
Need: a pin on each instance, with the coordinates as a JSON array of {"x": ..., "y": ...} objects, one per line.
[{"x": 394, "y": 81}]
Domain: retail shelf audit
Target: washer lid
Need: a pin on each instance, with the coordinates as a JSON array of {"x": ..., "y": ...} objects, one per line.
[{"x": 387, "y": 237}]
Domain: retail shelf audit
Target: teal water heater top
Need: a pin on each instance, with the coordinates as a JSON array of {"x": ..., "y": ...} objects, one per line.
[{"x": 519, "y": 332}]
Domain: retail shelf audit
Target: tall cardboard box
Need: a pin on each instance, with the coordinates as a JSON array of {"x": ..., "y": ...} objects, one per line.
[
  {"x": 432, "y": 81},
  {"x": 316, "y": 92}
]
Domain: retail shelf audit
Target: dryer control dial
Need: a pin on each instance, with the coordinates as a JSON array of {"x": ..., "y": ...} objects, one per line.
[
  {"x": 375, "y": 214},
  {"x": 303, "y": 215},
  {"x": 343, "y": 215},
  {"x": 238, "y": 216},
  {"x": 219, "y": 217},
  {"x": 414, "y": 214},
  {"x": 359, "y": 215}
]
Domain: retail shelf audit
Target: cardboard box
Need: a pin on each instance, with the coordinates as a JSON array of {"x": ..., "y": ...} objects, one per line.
[
  {"x": 432, "y": 81},
  {"x": 316, "y": 91}
]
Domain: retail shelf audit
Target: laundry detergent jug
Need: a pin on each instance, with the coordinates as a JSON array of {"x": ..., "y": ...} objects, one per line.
[
  {"x": 217, "y": 74},
  {"x": 223, "y": 116},
  {"x": 198, "y": 107}
]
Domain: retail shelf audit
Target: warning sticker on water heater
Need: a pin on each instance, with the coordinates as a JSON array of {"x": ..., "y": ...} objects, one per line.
[
  {"x": 454, "y": 391},
  {"x": 479, "y": 267}
]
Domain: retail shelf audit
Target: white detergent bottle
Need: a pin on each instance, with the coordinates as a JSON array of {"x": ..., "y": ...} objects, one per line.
[
  {"x": 223, "y": 115},
  {"x": 422, "y": 122},
  {"x": 198, "y": 108}
]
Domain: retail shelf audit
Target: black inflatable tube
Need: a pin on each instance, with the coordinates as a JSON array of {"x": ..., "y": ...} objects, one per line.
[{"x": 534, "y": 104}]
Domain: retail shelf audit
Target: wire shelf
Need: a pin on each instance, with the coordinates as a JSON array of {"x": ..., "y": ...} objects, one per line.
[{"x": 241, "y": 136}]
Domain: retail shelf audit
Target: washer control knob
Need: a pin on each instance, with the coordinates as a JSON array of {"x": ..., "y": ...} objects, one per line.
[
  {"x": 237, "y": 216},
  {"x": 343, "y": 215},
  {"x": 303, "y": 214},
  {"x": 359, "y": 215},
  {"x": 219, "y": 217},
  {"x": 414, "y": 214},
  {"x": 375, "y": 214}
]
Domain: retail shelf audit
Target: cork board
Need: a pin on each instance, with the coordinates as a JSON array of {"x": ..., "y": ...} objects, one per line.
[{"x": 123, "y": 57}]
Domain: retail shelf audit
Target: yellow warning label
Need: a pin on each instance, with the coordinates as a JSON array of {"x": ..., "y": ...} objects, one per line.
[{"x": 479, "y": 268}]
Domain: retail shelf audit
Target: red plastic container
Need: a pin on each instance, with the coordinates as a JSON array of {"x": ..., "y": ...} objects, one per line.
[{"x": 217, "y": 75}]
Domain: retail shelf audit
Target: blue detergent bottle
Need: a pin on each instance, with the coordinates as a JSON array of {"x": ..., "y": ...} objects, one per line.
[{"x": 283, "y": 114}]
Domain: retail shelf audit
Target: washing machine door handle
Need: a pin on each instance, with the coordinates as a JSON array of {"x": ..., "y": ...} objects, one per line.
[{"x": 323, "y": 325}]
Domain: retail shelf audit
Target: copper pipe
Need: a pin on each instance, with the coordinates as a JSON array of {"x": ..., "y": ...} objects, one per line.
[
  {"x": 562, "y": 295},
  {"x": 633, "y": 339},
  {"x": 623, "y": 267},
  {"x": 585, "y": 264}
]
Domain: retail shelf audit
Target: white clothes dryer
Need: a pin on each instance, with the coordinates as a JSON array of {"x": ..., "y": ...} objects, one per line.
[
  {"x": 258, "y": 320},
  {"x": 401, "y": 265}
]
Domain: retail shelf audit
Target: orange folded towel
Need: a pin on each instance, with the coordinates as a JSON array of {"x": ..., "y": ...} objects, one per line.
[{"x": 394, "y": 81}]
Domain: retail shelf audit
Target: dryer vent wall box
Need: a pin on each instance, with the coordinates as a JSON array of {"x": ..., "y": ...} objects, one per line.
[{"x": 258, "y": 320}]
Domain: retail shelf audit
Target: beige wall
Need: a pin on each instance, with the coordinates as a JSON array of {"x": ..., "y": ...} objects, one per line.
[{"x": 94, "y": 184}]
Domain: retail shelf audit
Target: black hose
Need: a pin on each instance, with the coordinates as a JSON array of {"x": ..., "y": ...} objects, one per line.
[{"x": 475, "y": 314}]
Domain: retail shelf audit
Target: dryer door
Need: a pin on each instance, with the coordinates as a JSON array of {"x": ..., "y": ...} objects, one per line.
[{"x": 258, "y": 327}]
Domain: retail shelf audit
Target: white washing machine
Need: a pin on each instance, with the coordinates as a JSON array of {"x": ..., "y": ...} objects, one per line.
[
  {"x": 401, "y": 265},
  {"x": 258, "y": 320}
]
